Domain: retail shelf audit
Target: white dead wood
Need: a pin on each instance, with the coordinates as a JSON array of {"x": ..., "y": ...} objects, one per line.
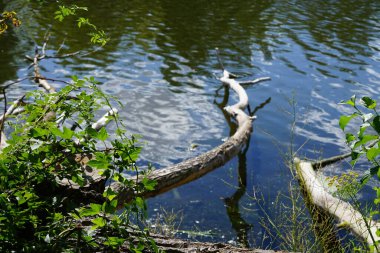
[
  {"x": 103, "y": 121},
  {"x": 12, "y": 109},
  {"x": 343, "y": 211}
]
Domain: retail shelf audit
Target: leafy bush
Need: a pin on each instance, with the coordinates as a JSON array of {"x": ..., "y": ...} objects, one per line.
[
  {"x": 366, "y": 142},
  {"x": 51, "y": 146}
]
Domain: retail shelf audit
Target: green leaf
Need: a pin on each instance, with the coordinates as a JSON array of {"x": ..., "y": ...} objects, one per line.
[
  {"x": 102, "y": 134},
  {"x": 354, "y": 157},
  {"x": 364, "y": 180},
  {"x": 372, "y": 153},
  {"x": 343, "y": 121},
  {"x": 39, "y": 132},
  {"x": 114, "y": 242},
  {"x": 101, "y": 161},
  {"x": 74, "y": 78},
  {"x": 77, "y": 178},
  {"x": 350, "y": 137},
  {"x": 55, "y": 131},
  {"x": 109, "y": 194},
  {"x": 99, "y": 222},
  {"x": 113, "y": 203},
  {"x": 20, "y": 198},
  {"x": 350, "y": 102},
  {"x": 377, "y": 189},
  {"x": 98, "y": 164},
  {"x": 362, "y": 129},
  {"x": 376, "y": 124},
  {"x": 58, "y": 216},
  {"x": 91, "y": 132},
  {"x": 67, "y": 133},
  {"x": 140, "y": 202},
  {"x": 368, "y": 102},
  {"x": 365, "y": 139},
  {"x": 149, "y": 184},
  {"x": 94, "y": 209}
]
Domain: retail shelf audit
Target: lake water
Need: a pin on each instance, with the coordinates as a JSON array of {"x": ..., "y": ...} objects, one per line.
[{"x": 161, "y": 63}]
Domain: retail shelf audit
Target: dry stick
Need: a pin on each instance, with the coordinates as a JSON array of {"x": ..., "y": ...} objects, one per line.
[
  {"x": 40, "y": 79},
  {"x": 17, "y": 81},
  {"x": 63, "y": 55},
  {"x": 189, "y": 170},
  {"x": 344, "y": 212},
  {"x": 61, "y": 46},
  {"x": 333, "y": 159},
  {"x": 34, "y": 77},
  {"x": 12, "y": 109},
  {"x": 53, "y": 80},
  {"x": 257, "y": 80},
  {"x": 47, "y": 36},
  {"x": 103, "y": 121}
]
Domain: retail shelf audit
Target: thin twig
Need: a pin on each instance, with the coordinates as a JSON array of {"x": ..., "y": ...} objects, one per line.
[
  {"x": 52, "y": 79},
  {"x": 219, "y": 59},
  {"x": 257, "y": 80},
  {"x": 260, "y": 106},
  {"x": 61, "y": 46},
  {"x": 17, "y": 81},
  {"x": 330, "y": 160},
  {"x": 72, "y": 54},
  {"x": 11, "y": 109},
  {"x": 47, "y": 36}
]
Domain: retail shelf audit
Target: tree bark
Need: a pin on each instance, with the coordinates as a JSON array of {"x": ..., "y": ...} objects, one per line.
[{"x": 172, "y": 245}]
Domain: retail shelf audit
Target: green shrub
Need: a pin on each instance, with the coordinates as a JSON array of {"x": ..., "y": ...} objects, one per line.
[
  {"x": 38, "y": 213},
  {"x": 366, "y": 142}
]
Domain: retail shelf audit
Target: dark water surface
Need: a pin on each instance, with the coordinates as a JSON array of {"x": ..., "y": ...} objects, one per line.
[{"x": 161, "y": 64}]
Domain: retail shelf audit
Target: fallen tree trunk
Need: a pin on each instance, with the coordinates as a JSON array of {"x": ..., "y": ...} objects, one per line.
[
  {"x": 172, "y": 245},
  {"x": 343, "y": 211},
  {"x": 189, "y": 170}
]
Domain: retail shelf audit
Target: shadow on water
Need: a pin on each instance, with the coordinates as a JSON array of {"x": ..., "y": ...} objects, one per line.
[{"x": 240, "y": 226}]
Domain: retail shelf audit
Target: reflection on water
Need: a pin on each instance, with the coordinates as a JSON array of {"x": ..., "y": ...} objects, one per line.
[
  {"x": 161, "y": 63},
  {"x": 241, "y": 226}
]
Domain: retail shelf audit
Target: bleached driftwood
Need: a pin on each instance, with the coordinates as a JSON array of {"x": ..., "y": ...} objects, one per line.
[
  {"x": 38, "y": 78},
  {"x": 103, "y": 121},
  {"x": 189, "y": 170},
  {"x": 12, "y": 109},
  {"x": 343, "y": 211}
]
